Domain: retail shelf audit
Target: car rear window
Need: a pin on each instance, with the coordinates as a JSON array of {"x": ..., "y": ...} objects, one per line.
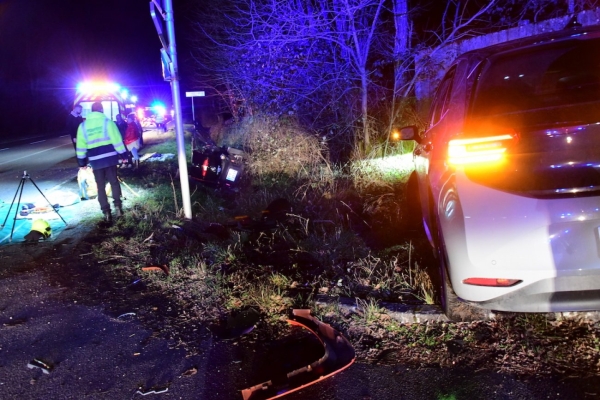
[
  {"x": 548, "y": 96},
  {"x": 539, "y": 78}
]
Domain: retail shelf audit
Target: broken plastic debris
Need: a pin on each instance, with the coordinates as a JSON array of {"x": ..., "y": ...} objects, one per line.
[
  {"x": 339, "y": 355},
  {"x": 39, "y": 364},
  {"x": 190, "y": 372},
  {"x": 163, "y": 268},
  {"x": 152, "y": 392},
  {"x": 129, "y": 314}
]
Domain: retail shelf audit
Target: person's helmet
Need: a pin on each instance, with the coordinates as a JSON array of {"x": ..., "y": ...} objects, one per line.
[{"x": 42, "y": 226}]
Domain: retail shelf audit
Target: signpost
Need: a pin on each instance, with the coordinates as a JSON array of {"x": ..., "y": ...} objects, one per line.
[
  {"x": 171, "y": 74},
  {"x": 192, "y": 95}
]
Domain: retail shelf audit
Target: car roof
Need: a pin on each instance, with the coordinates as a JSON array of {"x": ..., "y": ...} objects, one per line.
[{"x": 575, "y": 33}]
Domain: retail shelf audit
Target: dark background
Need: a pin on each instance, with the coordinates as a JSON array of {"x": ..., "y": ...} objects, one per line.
[{"x": 48, "y": 46}]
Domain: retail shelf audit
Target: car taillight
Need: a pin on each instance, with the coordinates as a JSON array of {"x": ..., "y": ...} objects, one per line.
[
  {"x": 498, "y": 282},
  {"x": 484, "y": 150}
]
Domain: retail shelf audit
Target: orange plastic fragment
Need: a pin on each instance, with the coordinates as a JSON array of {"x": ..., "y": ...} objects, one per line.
[
  {"x": 163, "y": 268},
  {"x": 339, "y": 355}
]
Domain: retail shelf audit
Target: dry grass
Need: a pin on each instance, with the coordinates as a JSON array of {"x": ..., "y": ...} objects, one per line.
[{"x": 278, "y": 146}]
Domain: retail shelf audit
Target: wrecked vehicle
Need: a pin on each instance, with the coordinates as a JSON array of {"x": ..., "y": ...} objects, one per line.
[{"x": 212, "y": 164}]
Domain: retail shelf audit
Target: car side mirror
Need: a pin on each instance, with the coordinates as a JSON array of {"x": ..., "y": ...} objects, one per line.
[{"x": 405, "y": 133}]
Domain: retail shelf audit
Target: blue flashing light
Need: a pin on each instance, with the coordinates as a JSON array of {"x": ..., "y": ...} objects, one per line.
[{"x": 159, "y": 108}]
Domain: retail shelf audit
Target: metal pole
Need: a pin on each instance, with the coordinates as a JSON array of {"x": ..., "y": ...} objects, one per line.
[
  {"x": 183, "y": 170},
  {"x": 193, "y": 113}
]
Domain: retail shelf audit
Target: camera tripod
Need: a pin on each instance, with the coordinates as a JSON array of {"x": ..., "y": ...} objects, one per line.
[{"x": 19, "y": 192}]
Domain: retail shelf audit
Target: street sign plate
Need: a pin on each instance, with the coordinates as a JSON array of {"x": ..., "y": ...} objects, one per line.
[{"x": 194, "y": 94}]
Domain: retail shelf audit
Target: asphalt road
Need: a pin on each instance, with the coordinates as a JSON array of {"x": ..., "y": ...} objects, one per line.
[{"x": 48, "y": 162}]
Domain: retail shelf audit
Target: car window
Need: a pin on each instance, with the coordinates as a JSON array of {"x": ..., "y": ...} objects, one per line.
[
  {"x": 442, "y": 99},
  {"x": 547, "y": 77}
]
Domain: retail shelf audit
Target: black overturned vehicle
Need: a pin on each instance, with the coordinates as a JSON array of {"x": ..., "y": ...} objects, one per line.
[{"x": 220, "y": 166}]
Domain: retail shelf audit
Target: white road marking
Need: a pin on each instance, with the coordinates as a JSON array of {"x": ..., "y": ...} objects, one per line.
[{"x": 33, "y": 154}]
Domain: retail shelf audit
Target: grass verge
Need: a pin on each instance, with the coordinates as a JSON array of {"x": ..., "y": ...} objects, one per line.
[{"x": 218, "y": 264}]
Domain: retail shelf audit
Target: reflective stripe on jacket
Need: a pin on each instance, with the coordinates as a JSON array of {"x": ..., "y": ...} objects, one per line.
[{"x": 99, "y": 140}]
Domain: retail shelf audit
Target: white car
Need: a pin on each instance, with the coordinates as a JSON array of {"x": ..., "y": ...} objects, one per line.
[{"x": 507, "y": 175}]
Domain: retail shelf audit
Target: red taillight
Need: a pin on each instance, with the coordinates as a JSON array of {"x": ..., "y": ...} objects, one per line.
[
  {"x": 484, "y": 150},
  {"x": 498, "y": 282}
]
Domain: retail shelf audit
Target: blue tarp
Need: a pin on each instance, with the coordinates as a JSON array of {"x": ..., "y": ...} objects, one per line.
[{"x": 22, "y": 225}]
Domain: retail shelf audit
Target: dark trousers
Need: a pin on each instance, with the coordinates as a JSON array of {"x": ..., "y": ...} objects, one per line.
[{"x": 103, "y": 175}]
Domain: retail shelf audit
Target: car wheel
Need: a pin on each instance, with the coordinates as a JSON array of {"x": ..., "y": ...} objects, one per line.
[{"x": 454, "y": 308}]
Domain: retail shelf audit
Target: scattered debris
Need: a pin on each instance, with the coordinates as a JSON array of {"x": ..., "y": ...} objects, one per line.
[
  {"x": 151, "y": 391},
  {"x": 276, "y": 212},
  {"x": 157, "y": 157},
  {"x": 203, "y": 231},
  {"x": 129, "y": 314},
  {"x": 339, "y": 355},
  {"x": 190, "y": 372},
  {"x": 36, "y": 363},
  {"x": 163, "y": 268},
  {"x": 149, "y": 238}
]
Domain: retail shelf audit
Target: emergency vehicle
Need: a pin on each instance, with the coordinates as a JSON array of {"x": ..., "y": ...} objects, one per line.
[{"x": 109, "y": 94}]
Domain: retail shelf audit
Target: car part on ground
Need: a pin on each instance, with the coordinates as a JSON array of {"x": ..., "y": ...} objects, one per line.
[{"x": 338, "y": 356}]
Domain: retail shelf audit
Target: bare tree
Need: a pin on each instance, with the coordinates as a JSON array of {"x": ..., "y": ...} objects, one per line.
[
  {"x": 300, "y": 54},
  {"x": 341, "y": 64}
]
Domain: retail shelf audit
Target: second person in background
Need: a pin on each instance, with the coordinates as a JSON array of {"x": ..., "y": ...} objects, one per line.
[{"x": 132, "y": 139}]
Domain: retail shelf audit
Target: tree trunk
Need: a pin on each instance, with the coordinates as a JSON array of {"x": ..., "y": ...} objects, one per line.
[
  {"x": 401, "y": 45},
  {"x": 365, "y": 108},
  {"x": 400, "y": 40}
]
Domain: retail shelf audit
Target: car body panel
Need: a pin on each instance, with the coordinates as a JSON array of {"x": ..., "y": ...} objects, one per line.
[{"x": 534, "y": 217}]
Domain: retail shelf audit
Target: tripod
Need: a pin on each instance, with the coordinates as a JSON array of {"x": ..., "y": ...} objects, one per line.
[{"x": 19, "y": 192}]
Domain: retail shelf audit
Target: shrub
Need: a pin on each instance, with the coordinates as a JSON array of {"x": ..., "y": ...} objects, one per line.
[{"x": 277, "y": 146}]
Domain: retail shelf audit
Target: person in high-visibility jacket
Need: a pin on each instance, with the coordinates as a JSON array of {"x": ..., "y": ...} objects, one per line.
[{"x": 99, "y": 140}]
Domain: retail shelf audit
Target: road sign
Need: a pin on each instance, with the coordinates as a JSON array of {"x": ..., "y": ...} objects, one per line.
[{"x": 194, "y": 94}]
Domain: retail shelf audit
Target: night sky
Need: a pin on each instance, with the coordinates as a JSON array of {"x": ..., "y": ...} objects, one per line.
[{"x": 48, "y": 46}]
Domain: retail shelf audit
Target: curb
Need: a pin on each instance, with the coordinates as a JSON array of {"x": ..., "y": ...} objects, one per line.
[
  {"x": 403, "y": 313},
  {"x": 415, "y": 314}
]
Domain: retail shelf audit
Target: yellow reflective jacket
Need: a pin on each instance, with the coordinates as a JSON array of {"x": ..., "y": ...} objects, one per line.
[{"x": 99, "y": 140}]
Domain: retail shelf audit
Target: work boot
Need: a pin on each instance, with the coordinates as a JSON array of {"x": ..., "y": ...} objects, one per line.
[
  {"x": 119, "y": 212},
  {"x": 107, "y": 216},
  {"x": 136, "y": 164}
]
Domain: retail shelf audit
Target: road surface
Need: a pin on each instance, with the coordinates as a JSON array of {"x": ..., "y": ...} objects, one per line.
[{"x": 48, "y": 162}]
